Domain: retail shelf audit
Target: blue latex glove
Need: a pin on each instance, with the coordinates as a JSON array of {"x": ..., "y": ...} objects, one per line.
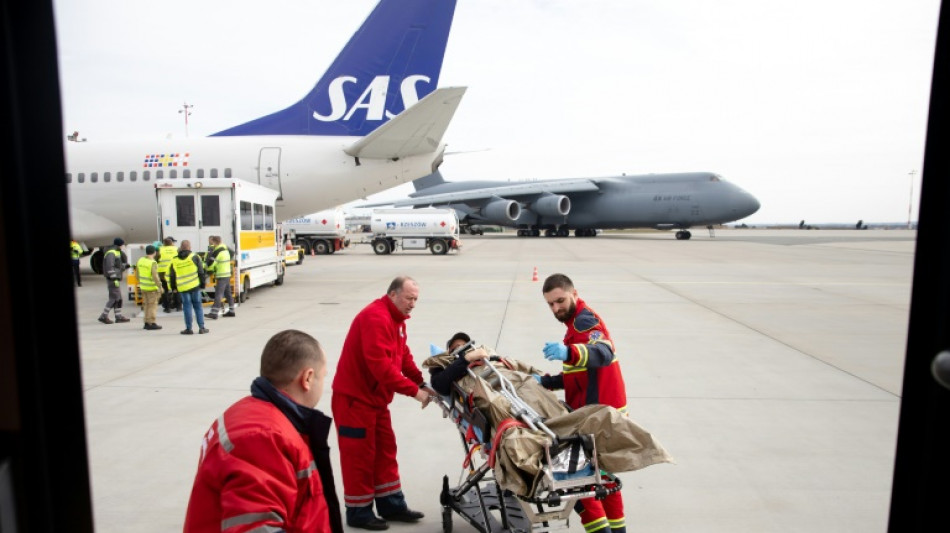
[
  {"x": 536, "y": 378},
  {"x": 555, "y": 351},
  {"x": 434, "y": 349}
]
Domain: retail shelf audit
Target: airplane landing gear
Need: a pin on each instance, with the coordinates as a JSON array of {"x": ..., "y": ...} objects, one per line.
[{"x": 683, "y": 235}]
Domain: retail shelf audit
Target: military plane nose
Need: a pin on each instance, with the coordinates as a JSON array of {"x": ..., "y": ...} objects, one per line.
[{"x": 746, "y": 204}]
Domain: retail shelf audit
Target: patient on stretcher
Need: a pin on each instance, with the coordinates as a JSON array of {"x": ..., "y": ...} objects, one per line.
[{"x": 517, "y": 448}]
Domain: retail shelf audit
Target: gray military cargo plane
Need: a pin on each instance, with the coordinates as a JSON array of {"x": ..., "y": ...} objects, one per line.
[{"x": 585, "y": 205}]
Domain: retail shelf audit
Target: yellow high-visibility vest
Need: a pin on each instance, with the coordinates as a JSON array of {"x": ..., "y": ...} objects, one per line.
[
  {"x": 165, "y": 256},
  {"x": 186, "y": 273},
  {"x": 222, "y": 262},
  {"x": 143, "y": 269}
]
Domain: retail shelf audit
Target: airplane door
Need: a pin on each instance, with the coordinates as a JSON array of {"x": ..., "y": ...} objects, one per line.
[
  {"x": 268, "y": 170},
  {"x": 194, "y": 215}
]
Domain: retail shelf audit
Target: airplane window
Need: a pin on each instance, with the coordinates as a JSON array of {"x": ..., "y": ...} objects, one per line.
[
  {"x": 159, "y": 174},
  {"x": 146, "y": 175},
  {"x": 120, "y": 176},
  {"x": 714, "y": 178},
  {"x": 173, "y": 174},
  {"x": 107, "y": 177},
  {"x": 185, "y": 210},
  {"x": 227, "y": 173},
  {"x": 210, "y": 210},
  {"x": 132, "y": 176},
  {"x": 186, "y": 174},
  {"x": 214, "y": 173},
  {"x": 258, "y": 216},
  {"x": 246, "y": 218},
  {"x": 82, "y": 177},
  {"x": 94, "y": 177},
  {"x": 69, "y": 177},
  {"x": 268, "y": 217},
  {"x": 201, "y": 173}
]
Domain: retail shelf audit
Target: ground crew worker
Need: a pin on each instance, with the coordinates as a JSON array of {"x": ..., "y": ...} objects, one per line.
[
  {"x": 590, "y": 374},
  {"x": 75, "y": 252},
  {"x": 166, "y": 253},
  {"x": 219, "y": 264},
  {"x": 375, "y": 364},
  {"x": 265, "y": 463},
  {"x": 187, "y": 276},
  {"x": 114, "y": 263},
  {"x": 146, "y": 268}
]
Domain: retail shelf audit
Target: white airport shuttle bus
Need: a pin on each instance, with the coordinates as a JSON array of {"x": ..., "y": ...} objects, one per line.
[{"x": 242, "y": 213}]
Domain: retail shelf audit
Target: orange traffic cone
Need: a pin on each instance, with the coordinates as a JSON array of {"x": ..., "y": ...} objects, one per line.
[{"x": 534, "y": 277}]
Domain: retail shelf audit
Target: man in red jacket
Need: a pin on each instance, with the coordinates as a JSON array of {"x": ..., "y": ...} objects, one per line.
[
  {"x": 590, "y": 375},
  {"x": 265, "y": 463},
  {"x": 375, "y": 364}
]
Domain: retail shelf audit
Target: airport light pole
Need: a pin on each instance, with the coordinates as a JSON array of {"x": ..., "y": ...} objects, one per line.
[{"x": 186, "y": 110}]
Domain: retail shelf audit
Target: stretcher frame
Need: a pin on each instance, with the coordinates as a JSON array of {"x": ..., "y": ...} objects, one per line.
[{"x": 478, "y": 493}]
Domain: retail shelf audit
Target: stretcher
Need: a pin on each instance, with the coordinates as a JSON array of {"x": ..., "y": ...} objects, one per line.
[{"x": 568, "y": 464}]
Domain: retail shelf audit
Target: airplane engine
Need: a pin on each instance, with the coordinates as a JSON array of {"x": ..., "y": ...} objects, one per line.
[
  {"x": 502, "y": 211},
  {"x": 553, "y": 205}
]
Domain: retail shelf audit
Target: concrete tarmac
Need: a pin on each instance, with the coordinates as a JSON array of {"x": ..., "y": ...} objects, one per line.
[{"x": 768, "y": 363}]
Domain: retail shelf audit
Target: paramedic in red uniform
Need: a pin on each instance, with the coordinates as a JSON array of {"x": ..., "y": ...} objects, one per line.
[
  {"x": 590, "y": 374},
  {"x": 375, "y": 364},
  {"x": 265, "y": 463}
]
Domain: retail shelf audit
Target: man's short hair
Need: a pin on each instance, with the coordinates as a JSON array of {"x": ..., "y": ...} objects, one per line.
[
  {"x": 215, "y": 239},
  {"x": 460, "y": 336},
  {"x": 287, "y": 353},
  {"x": 557, "y": 281},
  {"x": 398, "y": 283}
]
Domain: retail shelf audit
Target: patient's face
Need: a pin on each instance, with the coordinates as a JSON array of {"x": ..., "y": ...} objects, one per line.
[
  {"x": 562, "y": 303},
  {"x": 456, "y": 344}
]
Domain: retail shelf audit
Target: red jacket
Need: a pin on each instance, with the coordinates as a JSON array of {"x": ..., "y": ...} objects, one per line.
[
  {"x": 591, "y": 373},
  {"x": 256, "y": 471},
  {"x": 376, "y": 362}
]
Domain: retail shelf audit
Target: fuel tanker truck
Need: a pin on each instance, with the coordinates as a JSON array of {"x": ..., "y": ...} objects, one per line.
[{"x": 414, "y": 229}]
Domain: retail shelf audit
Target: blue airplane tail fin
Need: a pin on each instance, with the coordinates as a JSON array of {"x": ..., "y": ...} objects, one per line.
[{"x": 391, "y": 62}]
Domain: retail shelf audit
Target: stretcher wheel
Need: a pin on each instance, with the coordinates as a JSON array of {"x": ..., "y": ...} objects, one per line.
[{"x": 447, "y": 520}]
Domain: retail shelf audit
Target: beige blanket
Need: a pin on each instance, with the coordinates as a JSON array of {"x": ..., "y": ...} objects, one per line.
[{"x": 621, "y": 444}]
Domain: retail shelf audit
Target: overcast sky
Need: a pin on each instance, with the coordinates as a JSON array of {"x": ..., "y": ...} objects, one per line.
[{"x": 817, "y": 107}]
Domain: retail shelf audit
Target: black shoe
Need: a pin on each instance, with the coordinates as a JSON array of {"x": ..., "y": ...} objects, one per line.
[
  {"x": 229, "y": 313},
  {"x": 203, "y": 330},
  {"x": 187, "y": 332},
  {"x": 122, "y": 319},
  {"x": 105, "y": 320},
  {"x": 405, "y": 516},
  {"x": 212, "y": 316},
  {"x": 166, "y": 310},
  {"x": 152, "y": 326},
  {"x": 375, "y": 524}
]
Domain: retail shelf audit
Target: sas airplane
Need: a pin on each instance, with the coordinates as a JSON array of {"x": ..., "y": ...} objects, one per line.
[
  {"x": 373, "y": 121},
  {"x": 585, "y": 205}
]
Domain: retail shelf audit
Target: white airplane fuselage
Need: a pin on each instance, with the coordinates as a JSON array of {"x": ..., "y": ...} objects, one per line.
[{"x": 111, "y": 185}]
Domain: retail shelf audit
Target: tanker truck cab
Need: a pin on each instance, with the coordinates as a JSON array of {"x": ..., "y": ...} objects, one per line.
[
  {"x": 415, "y": 229},
  {"x": 240, "y": 212}
]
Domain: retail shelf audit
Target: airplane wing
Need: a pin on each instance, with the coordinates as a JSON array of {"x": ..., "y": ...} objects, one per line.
[
  {"x": 417, "y": 130},
  {"x": 521, "y": 191}
]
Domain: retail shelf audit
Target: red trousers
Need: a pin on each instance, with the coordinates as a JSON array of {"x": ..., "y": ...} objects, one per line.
[
  {"x": 602, "y": 515},
  {"x": 367, "y": 452}
]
